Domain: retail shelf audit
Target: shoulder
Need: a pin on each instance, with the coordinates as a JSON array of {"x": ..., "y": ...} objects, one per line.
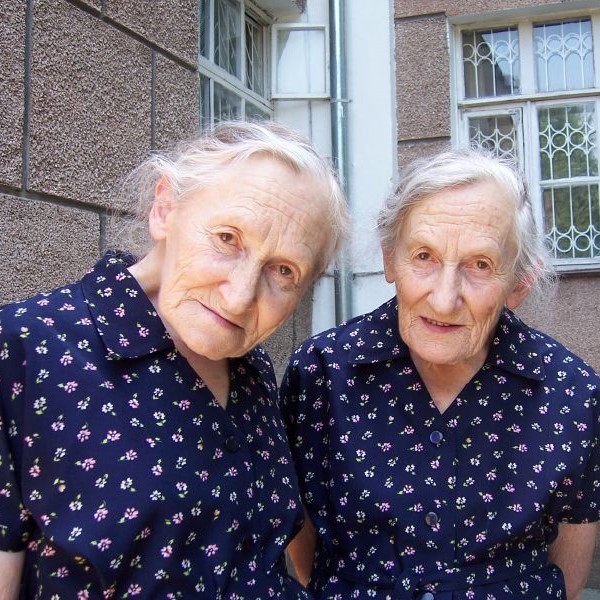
[
  {"x": 23, "y": 318},
  {"x": 369, "y": 337}
]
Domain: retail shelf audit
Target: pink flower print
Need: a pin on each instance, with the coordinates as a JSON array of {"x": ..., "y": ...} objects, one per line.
[
  {"x": 157, "y": 470},
  {"x": 69, "y": 387},
  {"x": 130, "y": 513},
  {"x": 123, "y": 341},
  {"x": 101, "y": 513},
  {"x": 211, "y": 549},
  {"x": 17, "y": 388},
  {"x": 120, "y": 311},
  {"x": 166, "y": 551},
  {"x": 48, "y": 321},
  {"x": 83, "y": 595},
  {"x": 112, "y": 436},
  {"x": 35, "y": 471},
  {"x": 184, "y": 404},
  {"x": 61, "y": 572},
  {"x": 88, "y": 464},
  {"x": 203, "y": 475},
  {"x": 66, "y": 359},
  {"x": 143, "y": 331},
  {"x": 84, "y": 434},
  {"x": 135, "y": 589},
  {"x": 130, "y": 455},
  {"x": 104, "y": 544},
  {"x": 177, "y": 518}
]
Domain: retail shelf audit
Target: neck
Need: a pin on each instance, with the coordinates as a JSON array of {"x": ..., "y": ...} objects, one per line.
[{"x": 445, "y": 382}]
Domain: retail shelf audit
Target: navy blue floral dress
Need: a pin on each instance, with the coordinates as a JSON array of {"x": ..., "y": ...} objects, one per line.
[
  {"x": 412, "y": 503},
  {"x": 119, "y": 472}
]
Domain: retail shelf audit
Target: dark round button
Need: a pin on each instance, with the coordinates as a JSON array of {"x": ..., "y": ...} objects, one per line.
[
  {"x": 432, "y": 519},
  {"x": 436, "y": 437},
  {"x": 232, "y": 444},
  {"x": 427, "y": 596}
]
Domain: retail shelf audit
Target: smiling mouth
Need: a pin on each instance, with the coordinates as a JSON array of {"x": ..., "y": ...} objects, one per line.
[{"x": 438, "y": 323}]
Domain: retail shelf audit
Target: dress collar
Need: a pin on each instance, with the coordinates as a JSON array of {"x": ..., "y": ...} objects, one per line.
[{"x": 374, "y": 337}]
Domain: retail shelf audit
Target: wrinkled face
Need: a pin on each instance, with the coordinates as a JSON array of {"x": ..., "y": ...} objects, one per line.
[
  {"x": 452, "y": 268},
  {"x": 237, "y": 257}
]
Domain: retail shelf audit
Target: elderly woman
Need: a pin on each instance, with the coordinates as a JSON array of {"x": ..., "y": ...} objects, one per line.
[
  {"x": 142, "y": 452},
  {"x": 446, "y": 450}
]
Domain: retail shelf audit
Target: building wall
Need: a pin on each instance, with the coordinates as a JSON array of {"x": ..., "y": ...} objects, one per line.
[
  {"x": 87, "y": 89},
  {"x": 424, "y": 127}
]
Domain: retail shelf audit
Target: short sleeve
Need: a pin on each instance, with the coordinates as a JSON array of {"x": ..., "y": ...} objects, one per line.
[{"x": 14, "y": 519}]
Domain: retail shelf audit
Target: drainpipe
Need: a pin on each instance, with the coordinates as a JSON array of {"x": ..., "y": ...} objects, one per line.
[{"x": 339, "y": 134}]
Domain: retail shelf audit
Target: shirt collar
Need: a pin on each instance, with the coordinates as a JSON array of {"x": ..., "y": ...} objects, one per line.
[
  {"x": 374, "y": 337},
  {"x": 123, "y": 315}
]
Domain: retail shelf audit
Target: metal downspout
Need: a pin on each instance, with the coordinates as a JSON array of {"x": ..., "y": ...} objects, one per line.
[{"x": 339, "y": 134}]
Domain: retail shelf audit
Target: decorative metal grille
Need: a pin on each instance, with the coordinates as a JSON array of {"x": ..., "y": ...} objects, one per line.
[
  {"x": 568, "y": 153},
  {"x": 491, "y": 62},
  {"x": 572, "y": 221},
  {"x": 496, "y": 133},
  {"x": 564, "y": 58},
  {"x": 228, "y": 36}
]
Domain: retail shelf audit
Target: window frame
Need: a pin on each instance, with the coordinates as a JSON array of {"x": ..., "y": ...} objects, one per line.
[
  {"x": 211, "y": 74},
  {"x": 525, "y": 103}
]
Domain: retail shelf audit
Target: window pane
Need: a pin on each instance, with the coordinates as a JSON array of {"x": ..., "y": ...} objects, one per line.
[
  {"x": 227, "y": 104},
  {"x": 491, "y": 62},
  {"x": 255, "y": 113},
  {"x": 496, "y": 133},
  {"x": 204, "y": 28},
  {"x": 205, "y": 109},
  {"x": 572, "y": 221},
  {"x": 564, "y": 57},
  {"x": 228, "y": 36},
  {"x": 255, "y": 52},
  {"x": 568, "y": 146}
]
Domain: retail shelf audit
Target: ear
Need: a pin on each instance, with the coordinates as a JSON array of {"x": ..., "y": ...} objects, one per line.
[
  {"x": 519, "y": 293},
  {"x": 164, "y": 201},
  {"x": 389, "y": 263}
]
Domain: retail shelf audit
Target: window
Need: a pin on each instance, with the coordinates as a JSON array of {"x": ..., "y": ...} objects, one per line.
[
  {"x": 233, "y": 61},
  {"x": 531, "y": 90}
]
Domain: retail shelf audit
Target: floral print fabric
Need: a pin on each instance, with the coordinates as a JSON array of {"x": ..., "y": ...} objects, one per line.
[
  {"x": 119, "y": 472},
  {"x": 411, "y": 503}
]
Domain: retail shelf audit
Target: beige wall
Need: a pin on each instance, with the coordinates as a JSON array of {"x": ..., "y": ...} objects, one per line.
[
  {"x": 424, "y": 127},
  {"x": 86, "y": 90}
]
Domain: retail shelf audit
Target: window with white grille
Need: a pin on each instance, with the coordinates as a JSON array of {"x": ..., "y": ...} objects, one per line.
[
  {"x": 233, "y": 61},
  {"x": 530, "y": 89}
]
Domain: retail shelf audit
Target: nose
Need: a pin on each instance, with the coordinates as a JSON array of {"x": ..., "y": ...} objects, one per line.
[
  {"x": 446, "y": 294},
  {"x": 241, "y": 290}
]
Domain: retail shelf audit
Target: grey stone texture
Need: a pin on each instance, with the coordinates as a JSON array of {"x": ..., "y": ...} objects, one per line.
[
  {"x": 422, "y": 76},
  {"x": 411, "y": 8},
  {"x": 90, "y": 113},
  {"x": 171, "y": 25},
  {"x": 12, "y": 95},
  {"x": 411, "y": 150},
  {"x": 43, "y": 245},
  {"x": 286, "y": 339},
  {"x": 177, "y": 102}
]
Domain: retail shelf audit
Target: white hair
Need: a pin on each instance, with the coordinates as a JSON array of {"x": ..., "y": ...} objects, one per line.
[
  {"x": 199, "y": 162},
  {"x": 453, "y": 168}
]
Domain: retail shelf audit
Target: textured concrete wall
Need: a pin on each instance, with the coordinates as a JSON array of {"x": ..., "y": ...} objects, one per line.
[
  {"x": 87, "y": 89},
  {"x": 424, "y": 127}
]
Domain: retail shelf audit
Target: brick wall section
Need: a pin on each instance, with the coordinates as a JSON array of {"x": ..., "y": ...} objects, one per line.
[{"x": 424, "y": 127}]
